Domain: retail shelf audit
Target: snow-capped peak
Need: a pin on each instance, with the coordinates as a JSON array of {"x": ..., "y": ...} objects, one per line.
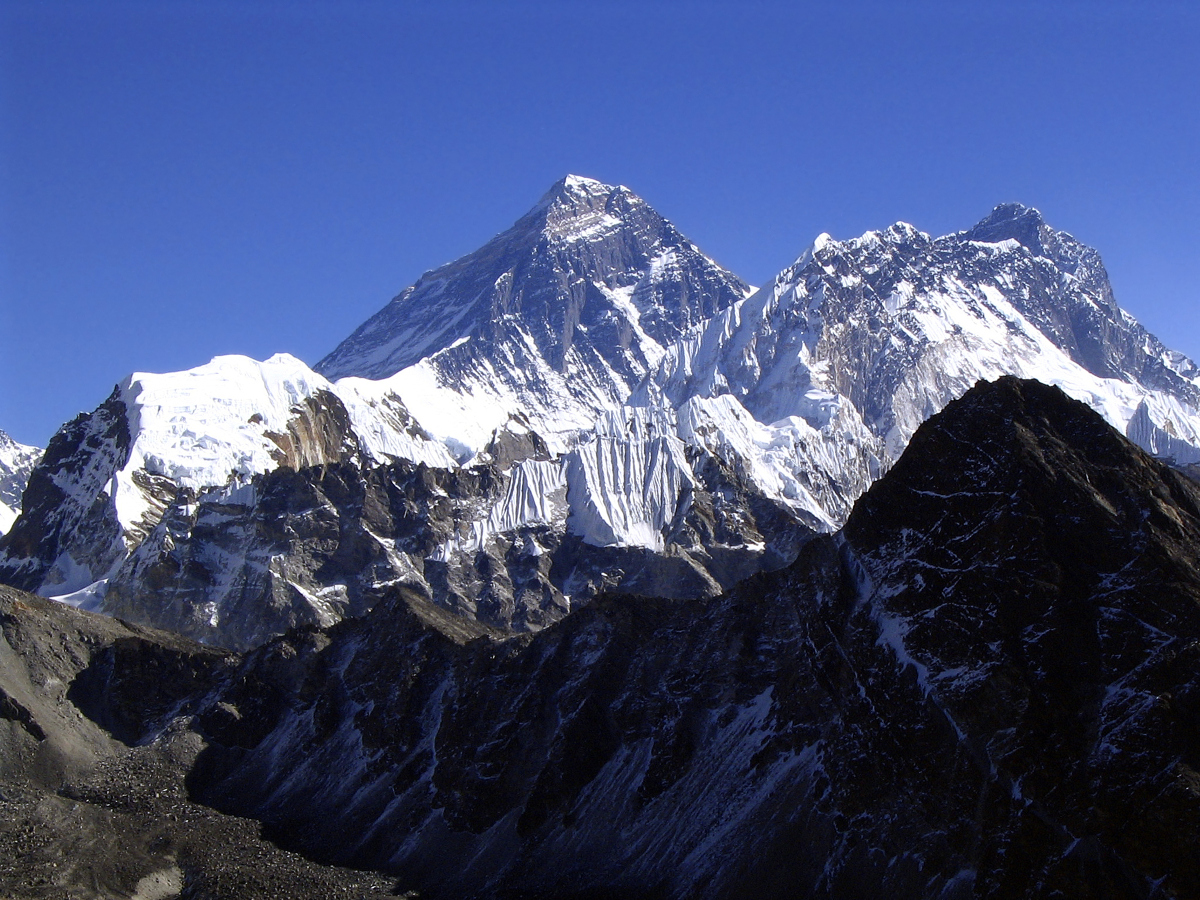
[
  {"x": 820, "y": 242},
  {"x": 583, "y": 184},
  {"x": 558, "y": 318},
  {"x": 574, "y": 192}
]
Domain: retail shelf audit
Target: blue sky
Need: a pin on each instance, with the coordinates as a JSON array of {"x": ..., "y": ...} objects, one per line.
[{"x": 181, "y": 180}]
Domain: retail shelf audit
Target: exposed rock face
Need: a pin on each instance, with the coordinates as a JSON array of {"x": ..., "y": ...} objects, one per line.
[
  {"x": 68, "y": 520},
  {"x": 315, "y": 545},
  {"x": 163, "y": 445},
  {"x": 986, "y": 686}
]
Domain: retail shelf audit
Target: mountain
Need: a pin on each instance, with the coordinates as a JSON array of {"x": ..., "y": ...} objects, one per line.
[
  {"x": 183, "y": 442},
  {"x": 585, "y": 404},
  {"x": 238, "y": 499},
  {"x": 862, "y": 340},
  {"x": 984, "y": 685},
  {"x": 16, "y": 462},
  {"x": 557, "y": 319}
]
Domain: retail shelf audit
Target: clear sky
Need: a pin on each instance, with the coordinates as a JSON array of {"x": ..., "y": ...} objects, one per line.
[{"x": 180, "y": 180}]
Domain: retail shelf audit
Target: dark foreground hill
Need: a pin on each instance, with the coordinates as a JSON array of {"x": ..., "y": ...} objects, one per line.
[{"x": 986, "y": 685}]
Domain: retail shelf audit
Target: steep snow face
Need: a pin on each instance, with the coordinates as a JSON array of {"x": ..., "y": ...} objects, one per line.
[
  {"x": 863, "y": 340},
  {"x": 558, "y": 318},
  {"x": 630, "y": 481},
  {"x": 816, "y": 465},
  {"x": 16, "y": 462}
]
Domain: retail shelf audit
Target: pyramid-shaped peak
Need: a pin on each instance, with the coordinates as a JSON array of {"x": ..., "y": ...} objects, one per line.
[
  {"x": 1011, "y": 221},
  {"x": 575, "y": 192},
  {"x": 577, "y": 207},
  {"x": 583, "y": 183},
  {"x": 599, "y": 241},
  {"x": 1014, "y": 212}
]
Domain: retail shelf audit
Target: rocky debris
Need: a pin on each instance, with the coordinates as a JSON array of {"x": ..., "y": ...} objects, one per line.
[{"x": 95, "y": 807}]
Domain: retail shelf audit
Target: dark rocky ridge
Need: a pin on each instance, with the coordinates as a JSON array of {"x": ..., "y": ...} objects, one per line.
[
  {"x": 326, "y": 542},
  {"x": 985, "y": 686},
  {"x": 84, "y": 452}
]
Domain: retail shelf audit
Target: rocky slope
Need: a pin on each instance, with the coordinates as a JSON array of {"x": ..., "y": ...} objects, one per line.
[
  {"x": 984, "y": 686},
  {"x": 92, "y": 770},
  {"x": 16, "y": 462}
]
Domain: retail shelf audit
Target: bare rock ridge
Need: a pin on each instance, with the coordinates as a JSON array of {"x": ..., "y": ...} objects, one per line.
[{"x": 984, "y": 685}]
